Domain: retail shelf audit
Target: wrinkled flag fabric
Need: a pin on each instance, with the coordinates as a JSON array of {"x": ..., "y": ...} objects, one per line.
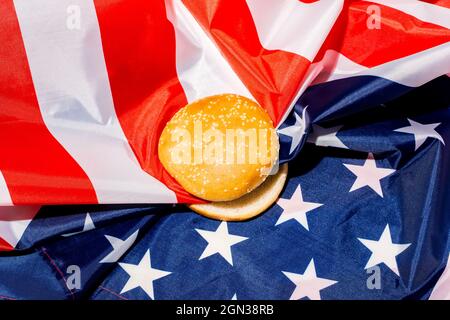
[{"x": 359, "y": 91}]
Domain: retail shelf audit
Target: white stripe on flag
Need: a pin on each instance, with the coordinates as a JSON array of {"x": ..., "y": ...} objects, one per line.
[
  {"x": 414, "y": 70},
  {"x": 201, "y": 68},
  {"x": 71, "y": 81},
  {"x": 421, "y": 10},
  {"x": 5, "y": 198},
  {"x": 277, "y": 21},
  {"x": 14, "y": 220},
  {"x": 441, "y": 290}
]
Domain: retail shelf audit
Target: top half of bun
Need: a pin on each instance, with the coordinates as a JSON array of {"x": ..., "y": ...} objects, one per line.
[{"x": 220, "y": 147}]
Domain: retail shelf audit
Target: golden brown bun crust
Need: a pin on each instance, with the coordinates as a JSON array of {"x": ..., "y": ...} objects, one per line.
[
  {"x": 248, "y": 206},
  {"x": 199, "y": 171}
]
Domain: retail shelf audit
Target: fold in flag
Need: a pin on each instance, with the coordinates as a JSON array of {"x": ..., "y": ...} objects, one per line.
[{"x": 359, "y": 94}]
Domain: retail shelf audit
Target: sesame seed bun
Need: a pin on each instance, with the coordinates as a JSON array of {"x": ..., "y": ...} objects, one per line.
[
  {"x": 219, "y": 148},
  {"x": 249, "y": 205}
]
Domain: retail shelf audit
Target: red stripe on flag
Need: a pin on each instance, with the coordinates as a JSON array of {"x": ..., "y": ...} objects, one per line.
[
  {"x": 272, "y": 76},
  {"x": 5, "y": 246},
  {"x": 399, "y": 35},
  {"x": 35, "y": 166},
  {"x": 139, "y": 49},
  {"x": 442, "y": 3}
]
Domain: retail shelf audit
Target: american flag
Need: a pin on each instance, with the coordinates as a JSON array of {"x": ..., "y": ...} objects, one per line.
[{"x": 359, "y": 91}]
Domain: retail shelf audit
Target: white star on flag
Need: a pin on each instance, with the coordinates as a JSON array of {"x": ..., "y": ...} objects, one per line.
[
  {"x": 296, "y": 208},
  {"x": 421, "y": 132},
  {"x": 326, "y": 137},
  {"x": 368, "y": 175},
  {"x": 384, "y": 251},
  {"x": 142, "y": 275},
  {"x": 219, "y": 241},
  {"x": 119, "y": 247},
  {"x": 88, "y": 225},
  {"x": 308, "y": 284},
  {"x": 296, "y": 131}
]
